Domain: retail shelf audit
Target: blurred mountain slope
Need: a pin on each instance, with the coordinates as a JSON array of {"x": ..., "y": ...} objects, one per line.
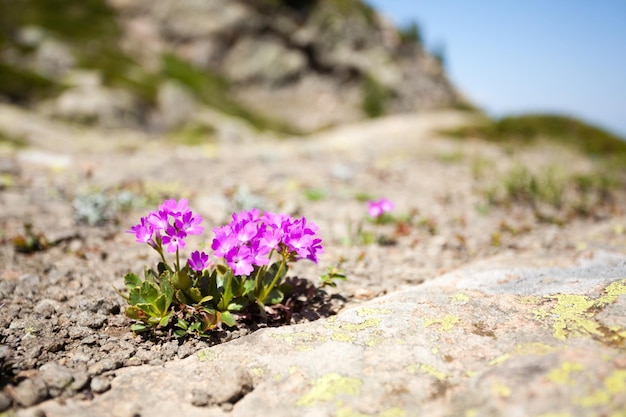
[{"x": 282, "y": 65}]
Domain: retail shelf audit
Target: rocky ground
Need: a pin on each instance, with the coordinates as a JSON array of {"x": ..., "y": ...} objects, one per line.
[{"x": 67, "y": 348}]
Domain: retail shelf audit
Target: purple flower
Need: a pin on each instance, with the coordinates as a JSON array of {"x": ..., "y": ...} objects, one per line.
[
  {"x": 278, "y": 220},
  {"x": 240, "y": 260},
  {"x": 315, "y": 249},
  {"x": 198, "y": 261},
  {"x": 250, "y": 238},
  {"x": 246, "y": 231},
  {"x": 189, "y": 223},
  {"x": 143, "y": 231},
  {"x": 175, "y": 208},
  {"x": 224, "y": 240},
  {"x": 159, "y": 220},
  {"x": 174, "y": 239},
  {"x": 272, "y": 237},
  {"x": 301, "y": 241},
  {"x": 378, "y": 208},
  {"x": 246, "y": 216}
]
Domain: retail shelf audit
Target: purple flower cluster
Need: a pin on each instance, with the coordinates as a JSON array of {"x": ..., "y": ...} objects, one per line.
[
  {"x": 169, "y": 225},
  {"x": 251, "y": 238},
  {"x": 378, "y": 208}
]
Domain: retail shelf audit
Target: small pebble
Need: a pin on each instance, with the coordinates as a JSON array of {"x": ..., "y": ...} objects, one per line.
[
  {"x": 100, "y": 384},
  {"x": 30, "y": 392}
]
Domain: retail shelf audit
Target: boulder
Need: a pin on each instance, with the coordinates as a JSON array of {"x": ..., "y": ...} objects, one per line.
[{"x": 499, "y": 338}]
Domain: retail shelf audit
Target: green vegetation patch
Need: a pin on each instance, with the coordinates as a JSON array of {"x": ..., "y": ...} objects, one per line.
[
  {"x": 527, "y": 129},
  {"x": 375, "y": 98},
  {"x": 570, "y": 194}
]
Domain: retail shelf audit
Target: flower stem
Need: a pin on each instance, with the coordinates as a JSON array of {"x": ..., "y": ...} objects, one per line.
[
  {"x": 227, "y": 296},
  {"x": 269, "y": 289},
  {"x": 260, "y": 273},
  {"x": 177, "y": 261}
]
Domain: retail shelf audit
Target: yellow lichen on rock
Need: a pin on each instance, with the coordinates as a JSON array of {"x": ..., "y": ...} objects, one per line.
[
  {"x": 329, "y": 387},
  {"x": 459, "y": 298},
  {"x": 563, "y": 374},
  {"x": 447, "y": 322},
  {"x": 614, "y": 385},
  {"x": 427, "y": 369},
  {"x": 574, "y": 315}
]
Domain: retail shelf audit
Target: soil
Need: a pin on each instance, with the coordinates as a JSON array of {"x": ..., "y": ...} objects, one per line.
[{"x": 63, "y": 331}]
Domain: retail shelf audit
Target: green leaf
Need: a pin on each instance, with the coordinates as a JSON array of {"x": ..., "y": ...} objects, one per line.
[
  {"x": 139, "y": 328},
  {"x": 149, "y": 291},
  {"x": 221, "y": 269},
  {"x": 182, "y": 324},
  {"x": 271, "y": 273},
  {"x": 228, "y": 319},
  {"x": 180, "y": 333},
  {"x": 274, "y": 297},
  {"x": 195, "y": 327},
  {"x": 149, "y": 309},
  {"x": 212, "y": 286},
  {"x": 236, "y": 287},
  {"x": 161, "y": 304},
  {"x": 235, "y": 307},
  {"x": 132, "y": 280},
  {"x": 205, "y": 299},
  {"x": 180, "y": 297},
  {"x": 149, "y": 274},
  {"x": 154, "y": 321},
  {"x": 135, "y": 313},
  {"x": 165, "y": 320},
  {"x": 331, "y": 276},
  {"x": 248, "y": 286},
  {"x": 134, "y": 297},
  {"x": 163, "y": 267},
  {"x": 166, "y": 287},
  {"x": 180, "y": 280},
  {"x": 195, "y": 294}
]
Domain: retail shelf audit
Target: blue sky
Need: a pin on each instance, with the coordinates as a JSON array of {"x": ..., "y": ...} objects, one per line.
[{"x": 517, "y": 56}]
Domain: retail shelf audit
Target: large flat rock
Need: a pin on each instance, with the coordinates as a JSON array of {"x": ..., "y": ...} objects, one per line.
[{"x": 500, "y": 338}]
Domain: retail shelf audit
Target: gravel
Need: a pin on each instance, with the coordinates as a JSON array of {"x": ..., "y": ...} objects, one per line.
[{"x": 63, "y": 329}]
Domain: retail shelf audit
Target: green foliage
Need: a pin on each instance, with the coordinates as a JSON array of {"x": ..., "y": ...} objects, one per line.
[
  {"x": 12, "y": 141},
  {"x": 375, "y": 97},
  {"x": 331, "y": 276},
  {"x": 193, "y": 134},
  {"x": 527, "y": 129},
  {"x": 21, "y": 85},
  {"x": 565, "y": 193},
  {"x": 411, "y": 34},
  {"x": 314, "y": 194},
  {"x": 149, "y": 300},
  {"x": 73, "y": 20},
  {"x": 198, "y": 302},
  {"x": 30, "y": 241}
]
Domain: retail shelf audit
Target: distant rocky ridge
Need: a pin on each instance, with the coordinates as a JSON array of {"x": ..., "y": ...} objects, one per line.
[{"x": 288, "y": 65}]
